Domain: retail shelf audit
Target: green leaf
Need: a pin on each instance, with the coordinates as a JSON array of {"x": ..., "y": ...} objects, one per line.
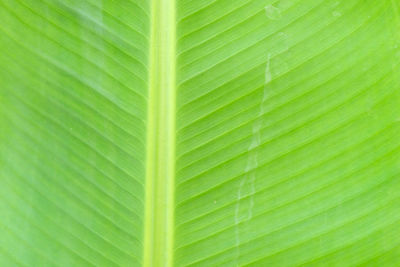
[{"x": 199, "y": 133}]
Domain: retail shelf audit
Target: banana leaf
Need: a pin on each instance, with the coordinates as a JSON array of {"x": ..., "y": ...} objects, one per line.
[{"x": 199, "y": 133}]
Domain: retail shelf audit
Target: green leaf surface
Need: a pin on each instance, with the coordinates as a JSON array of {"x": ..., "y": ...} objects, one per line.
[{"x": 199, "y": 133}]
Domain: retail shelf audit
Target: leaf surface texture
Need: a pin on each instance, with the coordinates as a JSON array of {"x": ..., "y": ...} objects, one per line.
[{"x": 285, "y": 128}]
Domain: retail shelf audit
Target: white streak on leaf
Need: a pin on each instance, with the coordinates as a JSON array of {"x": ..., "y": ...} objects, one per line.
[
  {"x": 245, "y": 196},
  {"x": 272, "y": 12},
  {"x": 336, "y": 13}
]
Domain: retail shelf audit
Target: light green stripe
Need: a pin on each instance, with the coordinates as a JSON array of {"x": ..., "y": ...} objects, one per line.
[{"x": 160, "y": 167}]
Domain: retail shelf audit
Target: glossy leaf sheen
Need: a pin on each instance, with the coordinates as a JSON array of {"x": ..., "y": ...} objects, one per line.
[{"x": 255, "y": 132}]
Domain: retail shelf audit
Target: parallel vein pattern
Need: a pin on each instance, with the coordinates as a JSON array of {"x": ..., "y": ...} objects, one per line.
[
  {"x": 276, "y": 141},
  {"x": 288, "y": 133},
  {"x": 73, "y": 93}
]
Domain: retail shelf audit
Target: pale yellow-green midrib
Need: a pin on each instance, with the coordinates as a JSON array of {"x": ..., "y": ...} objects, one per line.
[{"x": 160, "y": 168}]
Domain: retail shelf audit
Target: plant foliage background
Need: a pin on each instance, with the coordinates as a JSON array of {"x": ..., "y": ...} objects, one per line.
[{"x": 287, "y": 132}]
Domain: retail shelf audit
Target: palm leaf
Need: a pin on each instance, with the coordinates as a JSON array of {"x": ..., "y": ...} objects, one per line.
[{"x": 204, "y": 133}]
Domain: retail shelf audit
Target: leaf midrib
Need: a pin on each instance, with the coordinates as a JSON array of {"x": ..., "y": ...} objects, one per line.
[{"x": 160, "y": 158}]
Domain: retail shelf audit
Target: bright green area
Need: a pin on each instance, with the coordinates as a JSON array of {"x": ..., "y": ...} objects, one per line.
[{"x": 255, "y": 132}]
